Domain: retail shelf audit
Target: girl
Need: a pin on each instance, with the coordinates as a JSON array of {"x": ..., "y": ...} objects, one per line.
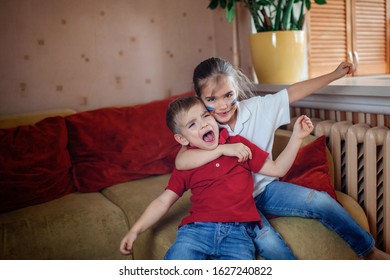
[{"x": 220, "y": 86}]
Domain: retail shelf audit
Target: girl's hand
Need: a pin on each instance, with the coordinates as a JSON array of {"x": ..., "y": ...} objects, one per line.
[
  {"x": 303, "y": 127},
  {"x": 238, "y": 150},
  {"x": 344, "y": 68}
]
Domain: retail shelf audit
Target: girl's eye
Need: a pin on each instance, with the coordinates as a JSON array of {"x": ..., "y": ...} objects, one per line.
[{"x": 229, "y": 95}]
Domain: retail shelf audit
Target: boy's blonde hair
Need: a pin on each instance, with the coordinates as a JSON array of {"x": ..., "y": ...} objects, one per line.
[{"x": 177, "y": 106}]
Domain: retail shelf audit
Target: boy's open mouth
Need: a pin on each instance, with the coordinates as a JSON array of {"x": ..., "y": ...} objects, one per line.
[{"x": 209, "y": 136}]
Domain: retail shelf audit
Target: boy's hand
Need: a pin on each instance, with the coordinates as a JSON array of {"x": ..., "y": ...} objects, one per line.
[
  {"x": 303, "y": 127},
  {"x": 126, "y": 247},
  {"x": 238, "y": 150},
  {"x": 343, "y": 69}
]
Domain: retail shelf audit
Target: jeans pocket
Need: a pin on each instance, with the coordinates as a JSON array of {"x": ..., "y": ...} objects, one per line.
[{"x": 248, "y": 230}]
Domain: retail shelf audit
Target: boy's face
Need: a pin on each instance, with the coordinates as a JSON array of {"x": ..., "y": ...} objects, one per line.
[{"x": 197, "y": 128}]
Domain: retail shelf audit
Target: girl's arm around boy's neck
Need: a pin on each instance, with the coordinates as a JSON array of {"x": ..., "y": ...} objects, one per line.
[{"x": 189, "y": 159}]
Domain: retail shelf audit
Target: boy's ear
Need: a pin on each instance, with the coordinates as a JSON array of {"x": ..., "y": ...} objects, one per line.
[{"x": 181, "y": 139}]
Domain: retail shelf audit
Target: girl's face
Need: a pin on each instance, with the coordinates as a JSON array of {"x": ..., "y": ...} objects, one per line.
[{"x": 220, "y": 99}]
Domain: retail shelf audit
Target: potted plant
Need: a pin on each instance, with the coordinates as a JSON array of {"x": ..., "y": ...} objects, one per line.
[{"x": 279, "y": 41}]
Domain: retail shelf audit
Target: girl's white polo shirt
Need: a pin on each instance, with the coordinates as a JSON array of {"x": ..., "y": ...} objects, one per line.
[{"x": 257, "y": 119}]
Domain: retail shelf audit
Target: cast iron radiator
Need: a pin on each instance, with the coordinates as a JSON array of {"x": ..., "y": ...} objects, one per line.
[{"x": 361, "y": 155}]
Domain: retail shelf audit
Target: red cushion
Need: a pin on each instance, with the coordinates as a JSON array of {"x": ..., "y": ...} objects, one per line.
[
  {"x": 34, "y": 164},
  {"x": 311, "y": 168},
  {"x": 114, "y": 145}
]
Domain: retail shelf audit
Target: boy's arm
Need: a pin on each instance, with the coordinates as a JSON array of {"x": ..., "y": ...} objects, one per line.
[
  {"x": 302, "y": 89},
  {"x": 152, "y": 214},
  {"x": 192, "y": 158},
  {"x": 284, "y": 161}
]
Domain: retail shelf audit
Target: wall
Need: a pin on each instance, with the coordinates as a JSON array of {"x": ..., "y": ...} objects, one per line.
[{"x": 86, "y": 54}]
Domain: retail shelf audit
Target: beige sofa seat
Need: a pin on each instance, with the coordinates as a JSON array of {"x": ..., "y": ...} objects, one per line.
[
  {"x": 76, "y": 226},
  {"x": 133, "y": 198}
]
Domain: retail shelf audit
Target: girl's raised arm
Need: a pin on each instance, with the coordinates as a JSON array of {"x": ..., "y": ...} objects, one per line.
[{"x": 302, "y": 89}]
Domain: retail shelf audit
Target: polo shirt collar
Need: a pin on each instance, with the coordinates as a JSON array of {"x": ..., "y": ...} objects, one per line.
[{"x": 223, "y": 136}]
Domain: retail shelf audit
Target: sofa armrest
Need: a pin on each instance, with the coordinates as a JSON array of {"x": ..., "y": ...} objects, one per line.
[
  {"x": 354, "y": 209},
  {"x": 8, "y": 121}
]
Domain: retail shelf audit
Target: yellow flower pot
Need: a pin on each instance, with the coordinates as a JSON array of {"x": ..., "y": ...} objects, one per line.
[{"x": 278, "y": 57}]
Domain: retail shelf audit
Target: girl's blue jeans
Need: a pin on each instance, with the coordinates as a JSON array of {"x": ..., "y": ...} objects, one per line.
[
  {"x": 213, "y": 241},
  {"x": 285, "y": 199}
]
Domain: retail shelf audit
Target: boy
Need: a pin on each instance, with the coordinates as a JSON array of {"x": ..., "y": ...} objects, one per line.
[{"x": 223, "y": 214}]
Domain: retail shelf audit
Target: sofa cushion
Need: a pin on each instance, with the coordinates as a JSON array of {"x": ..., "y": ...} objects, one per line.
[
  {"x": 114, "y": 145},
  {"x": 310, "y": 240},
  {"x": 34, "y": 164},
  {"x": 311, "y": 168},
  {"x": 78, "y": 226},
  {"x": 133, "y": 197}
]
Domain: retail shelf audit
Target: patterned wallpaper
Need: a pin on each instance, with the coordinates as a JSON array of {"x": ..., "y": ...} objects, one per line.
[{"x": 86, "y": 54}]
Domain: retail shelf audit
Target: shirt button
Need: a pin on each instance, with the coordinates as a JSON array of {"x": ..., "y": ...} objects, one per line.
[{"x": 217, "y": 164}]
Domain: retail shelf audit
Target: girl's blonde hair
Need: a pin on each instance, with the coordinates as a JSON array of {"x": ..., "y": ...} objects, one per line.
[{"x": 214, "y": 69}]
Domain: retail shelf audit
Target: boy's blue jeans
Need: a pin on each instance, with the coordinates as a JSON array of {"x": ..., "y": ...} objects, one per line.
[
  {"x": 213, "y": 241},
  {"x": 285, "y": 199}
]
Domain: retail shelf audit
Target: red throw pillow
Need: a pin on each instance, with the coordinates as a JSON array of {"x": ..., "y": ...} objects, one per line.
[
  {"x": 114, "y": 145},
  {"x": 311, "y": 168},
  {"x": 34, "y": 164}
]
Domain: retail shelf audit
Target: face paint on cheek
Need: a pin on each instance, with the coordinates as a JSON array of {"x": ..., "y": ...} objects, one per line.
[
  {"x": 208, "y": 108},
  {"x": 233, "y": 102}
]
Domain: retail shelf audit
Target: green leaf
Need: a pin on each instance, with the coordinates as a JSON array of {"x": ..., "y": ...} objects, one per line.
[
  {"x": 278, "y": 15},
  {"x": 213, "y": 4},
  {"x": 308, "y": 4},
  {"x": 264, "y": 3},
  {"x": 230, "y": 11},
  {"x": 231, "y": 4},
  {"x": 286, "y": 20},
  {"x": 320, "y": 2},
  {"x": 270, "y": 14}
]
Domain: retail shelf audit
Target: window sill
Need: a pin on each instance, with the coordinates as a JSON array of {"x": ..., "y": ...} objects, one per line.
[{"x": 355, "y": 94}]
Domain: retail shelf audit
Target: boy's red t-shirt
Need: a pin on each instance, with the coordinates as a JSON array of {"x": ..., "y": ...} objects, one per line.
[{"x": 222, "y": 190}]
